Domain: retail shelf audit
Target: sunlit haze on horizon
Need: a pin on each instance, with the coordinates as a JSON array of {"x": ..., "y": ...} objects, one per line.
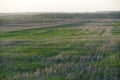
[{"x": 59, "y": 5}]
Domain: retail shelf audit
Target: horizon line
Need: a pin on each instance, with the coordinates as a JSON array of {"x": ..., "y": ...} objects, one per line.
[{"x": 61, "y": 11}]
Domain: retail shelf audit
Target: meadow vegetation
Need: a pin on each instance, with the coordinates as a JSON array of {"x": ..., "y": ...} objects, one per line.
[{"x": 87, "y": 49}]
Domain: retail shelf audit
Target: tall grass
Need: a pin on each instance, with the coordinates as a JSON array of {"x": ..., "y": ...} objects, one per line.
[{"x": 66, "y": 52}]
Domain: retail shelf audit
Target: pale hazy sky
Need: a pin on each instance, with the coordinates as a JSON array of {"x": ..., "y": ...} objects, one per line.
[{"x": 58, "y": 5}]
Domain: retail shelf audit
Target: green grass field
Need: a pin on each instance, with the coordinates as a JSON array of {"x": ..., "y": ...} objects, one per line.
[{"x": 66, "y": 52}]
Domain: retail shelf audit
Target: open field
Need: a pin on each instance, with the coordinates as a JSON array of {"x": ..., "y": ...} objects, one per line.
[{"x": 60, "y": 46}]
